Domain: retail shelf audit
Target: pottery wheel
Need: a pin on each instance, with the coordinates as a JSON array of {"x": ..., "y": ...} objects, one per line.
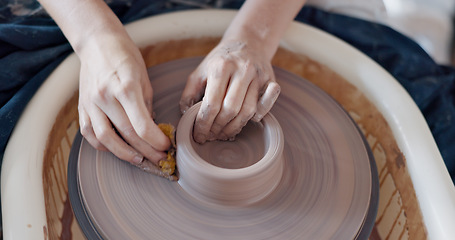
[{"x": 329, "y": 188}]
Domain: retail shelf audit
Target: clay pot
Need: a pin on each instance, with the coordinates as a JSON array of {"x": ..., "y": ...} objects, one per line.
[{"x": 238, "y": 172}]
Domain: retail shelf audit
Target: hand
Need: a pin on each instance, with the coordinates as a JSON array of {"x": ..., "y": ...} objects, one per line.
[
  {"x": 239, "y": 85},
  {"x": 115, "y": 92}
]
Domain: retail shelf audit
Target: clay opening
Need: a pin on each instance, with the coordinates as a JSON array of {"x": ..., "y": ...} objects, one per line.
[{"x": 249, "y": 146}]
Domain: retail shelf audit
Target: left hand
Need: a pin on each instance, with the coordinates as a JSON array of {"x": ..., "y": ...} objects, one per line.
[
  {"x": 116, "y": 95},
  {"x": 238, "y": 84}
]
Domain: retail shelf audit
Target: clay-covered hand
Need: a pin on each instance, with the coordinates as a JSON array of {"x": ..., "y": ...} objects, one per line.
[
  {"x": 237, "y": 83},
  {"x": 116, "y": 95}
]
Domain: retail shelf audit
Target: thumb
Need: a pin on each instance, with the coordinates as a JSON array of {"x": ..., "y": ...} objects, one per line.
[
  {"x": 267, "y": 100},
  {"x": 193, "y": 92}
]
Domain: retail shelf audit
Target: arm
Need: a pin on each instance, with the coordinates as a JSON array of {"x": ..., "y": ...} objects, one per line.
[
  {"x": 237, "y": 77},
  {"x": 263, "y": 23},
  {"x": 114, "y": 87}
]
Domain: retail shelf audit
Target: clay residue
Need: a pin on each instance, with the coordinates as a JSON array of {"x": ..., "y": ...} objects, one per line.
[
  {"x": 400, "y": 160},
  {"x": 59, "y": 215},
  {"x": 400, "y": 201}
]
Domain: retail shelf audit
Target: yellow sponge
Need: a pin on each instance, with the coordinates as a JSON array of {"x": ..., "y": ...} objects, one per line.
[{"x": 168, "y": 166}]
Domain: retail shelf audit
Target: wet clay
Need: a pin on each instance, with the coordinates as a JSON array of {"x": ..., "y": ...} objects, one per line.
[
  {"x": 237, "y": 153},
  {"x": 398, "y": 215}
]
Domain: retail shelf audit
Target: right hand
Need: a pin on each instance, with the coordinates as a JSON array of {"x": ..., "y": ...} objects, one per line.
[
  {"x": 115, "y": 92},
  {"x": 238, "y": 84}
]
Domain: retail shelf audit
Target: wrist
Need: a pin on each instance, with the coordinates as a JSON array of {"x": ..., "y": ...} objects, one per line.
[
  {"x": 102, "y": 41},
  {"x": 256, "y": 40},
  {"x": 84, "y": 21}
]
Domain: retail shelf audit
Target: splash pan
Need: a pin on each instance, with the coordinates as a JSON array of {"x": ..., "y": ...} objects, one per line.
[{"x": 328, "y": 190}]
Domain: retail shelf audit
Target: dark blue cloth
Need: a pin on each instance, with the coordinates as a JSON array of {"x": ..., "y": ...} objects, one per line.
[{"x": 30, "y": 48}]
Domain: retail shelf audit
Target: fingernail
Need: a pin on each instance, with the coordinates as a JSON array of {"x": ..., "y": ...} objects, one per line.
[
  {"x": 222, "y": 136},
  {"x": 257, "y": 118},
  {"x": 200, "y": 138},
  {"x": 163, "y": 157},
  {"x": 184, "y": 109},
  {"x": 185, "y": 105},
  {"x": 138, "y": 159}
]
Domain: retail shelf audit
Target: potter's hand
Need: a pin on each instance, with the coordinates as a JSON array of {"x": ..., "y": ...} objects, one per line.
[
  {"x": 237, "y": 75},
  {"x": 115, "y": 92},
  {"x": 238, "y": 84},
  {"x": 114, "y": 88}
]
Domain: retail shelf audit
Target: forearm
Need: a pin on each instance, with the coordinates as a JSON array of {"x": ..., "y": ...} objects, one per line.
[
  {"x": 81, "y": 20},
  {"x": 263, "y": 22}
]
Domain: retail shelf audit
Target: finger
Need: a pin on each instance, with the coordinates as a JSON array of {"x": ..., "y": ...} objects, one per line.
[
  {"x": 119, "y": 119},
  {"x": 147, "y": 92},
  {"x": 267, "y": 100},
  {"x": 233, "y": 101},
  {"x": 87, "y": 130},
  {"x": 217, "y": 83},
  {"x": 107, "y": 136},
  {"x": 249, "y": 107},
  {"x": 154, "y": 169},
  {"x": 194, "y": 90},
  {"x": 132, "y": 101}
]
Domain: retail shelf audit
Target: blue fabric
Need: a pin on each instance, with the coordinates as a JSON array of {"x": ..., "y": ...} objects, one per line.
[{"x": 30, "y": 48}]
